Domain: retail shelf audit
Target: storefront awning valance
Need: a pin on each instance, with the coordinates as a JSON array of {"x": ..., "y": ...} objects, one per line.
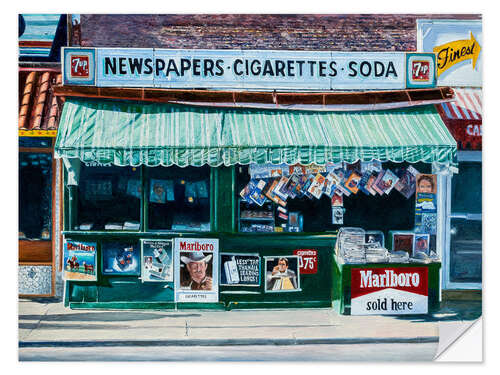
[{"x": 130, "y": 133}]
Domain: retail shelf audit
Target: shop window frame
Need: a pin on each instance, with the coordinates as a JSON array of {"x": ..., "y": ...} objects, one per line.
[
  {"x": 71, "y": 202},
  {"x": 29, "y": 250}
]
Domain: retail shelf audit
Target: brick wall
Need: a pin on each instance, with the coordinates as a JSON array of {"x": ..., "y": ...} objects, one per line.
[{"x": 390, "y": 32}]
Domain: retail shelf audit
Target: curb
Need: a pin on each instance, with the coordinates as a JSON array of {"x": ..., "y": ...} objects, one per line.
[{"x": 229, "y": 342}]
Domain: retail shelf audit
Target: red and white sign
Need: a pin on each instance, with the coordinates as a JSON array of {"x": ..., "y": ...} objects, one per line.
[
  {"x": 79, "y": 66},
  {"x": 308, "y": 260},
  {"x": 389, "y": 291}
]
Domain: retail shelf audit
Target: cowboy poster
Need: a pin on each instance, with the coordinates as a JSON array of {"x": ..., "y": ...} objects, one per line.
[
  {"x": 196, "y": 269},
  {"x": 80, "y": 261}
]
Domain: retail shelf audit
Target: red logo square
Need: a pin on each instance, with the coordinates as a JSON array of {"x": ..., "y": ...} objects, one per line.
[
  {"x": 79, "y": 66},
  {"x": 420, "y": 71}
]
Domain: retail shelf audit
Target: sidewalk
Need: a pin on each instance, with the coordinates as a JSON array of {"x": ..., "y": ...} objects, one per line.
[{"x": 48, "y": 323}]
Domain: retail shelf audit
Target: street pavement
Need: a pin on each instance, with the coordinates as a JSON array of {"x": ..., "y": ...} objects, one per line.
[{"x": 47, "y": 330}]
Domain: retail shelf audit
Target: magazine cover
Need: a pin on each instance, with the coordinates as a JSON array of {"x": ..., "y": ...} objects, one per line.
[
  {"x": 406, "y": 184},
  {"x": 316, "y": 188},
  {"x": 403, "y": 242},
  {"x": 80, "y": 260},
  {"x": 352, "y": 181},
  {"x": 297, "y": 169},
  {"x": 161, "y": 191},
  {"x": 371, "y": 180},
  {"x": 121, "y": 258},
  {"x": 421, "y": 244},
  {"x": 282, "y": 274},
  {"x": 157, "y": 261},
  {"x": 371, "y": 166},
  {"x": 342, "y": 175},
  {"x": 337, "y": 200},
  {"x": 247, "y": 190},
  {"x": 331, "y": 183},
  {"x": 386, "y": 184},
  {"x": 363, "y": 182},
  {"x": 134, "y": 188},
  {"x": 338, "y": 215},
  {"x": 256, "y": 194},
  {"x": 377, "y": 183},
  {"x": 280, "y": 189}
]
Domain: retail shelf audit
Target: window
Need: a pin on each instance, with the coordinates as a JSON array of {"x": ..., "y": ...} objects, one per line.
[
  {"x": 109, "y": 198},
  {"x": 112, "y": 198},
  {"x": 178, "y": 198},
  {"x": 371, "y": 212},
  {"x": 35, "y": 195}
]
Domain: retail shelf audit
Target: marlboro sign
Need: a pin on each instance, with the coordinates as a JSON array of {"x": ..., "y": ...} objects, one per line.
[{"x": 389, "y": 291}]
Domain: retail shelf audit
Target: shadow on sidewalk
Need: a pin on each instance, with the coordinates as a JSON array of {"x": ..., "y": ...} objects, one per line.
[
  {"x": 112, "y": 316},
  {"x": 449, "y": 311}
]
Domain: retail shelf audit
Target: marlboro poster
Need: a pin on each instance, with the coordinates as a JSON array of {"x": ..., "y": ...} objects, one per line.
[
  {"x": 196, "y": 269},
  {"x": 394, "y": 291},
  {"x": 80, "y": 260},
  {"x": 157, "y": 261}
]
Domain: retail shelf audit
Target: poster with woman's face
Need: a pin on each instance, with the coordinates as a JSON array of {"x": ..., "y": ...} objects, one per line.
[{"x": 426, "y": 183}]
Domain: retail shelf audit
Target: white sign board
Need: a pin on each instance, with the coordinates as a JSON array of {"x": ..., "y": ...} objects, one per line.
[
  {"x": 458, "y": 47},
  {"x": 246, "y": 69},
  {"x": 196, "y": 269}
]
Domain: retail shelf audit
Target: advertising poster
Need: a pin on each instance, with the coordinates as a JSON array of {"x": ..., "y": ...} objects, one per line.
[
  {"x": 308, "y": 260},
  {"x": 389, "y": 291},
  {"x": 80, "y": 261},
  {"x": 240, "y": 269},
  {"x": 121, "y": 258},
  {"x": 157, "y": 261},
  {"x": 196, "y": 269},
  {"x": 282, "y": 274},
  {"x": 425, "y": 204}
]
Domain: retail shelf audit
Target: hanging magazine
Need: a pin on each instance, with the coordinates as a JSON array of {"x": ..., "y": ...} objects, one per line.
[
  {"x": 316, "y": 188},
  {"x": 388, "y": 181},
  {"x": 352, "y": 181},
  {"x": 256, "y": 194},
  {"x": 407, "y": 182}
]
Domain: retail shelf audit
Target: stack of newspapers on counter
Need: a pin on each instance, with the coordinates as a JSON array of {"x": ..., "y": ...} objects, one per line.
[
  {"x": 399, "y": 257},
  {"x": 374, "y": 253},
  {"x": 351, "y": 245}
]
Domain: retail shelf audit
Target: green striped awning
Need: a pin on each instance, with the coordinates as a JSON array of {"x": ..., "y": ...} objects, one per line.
[{"x": 130, "y": 133}]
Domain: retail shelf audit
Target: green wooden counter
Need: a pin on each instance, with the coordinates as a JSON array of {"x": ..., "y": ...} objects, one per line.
[
  {"x": 129, "y": 292},
  {"x": 341, "y": 274}
]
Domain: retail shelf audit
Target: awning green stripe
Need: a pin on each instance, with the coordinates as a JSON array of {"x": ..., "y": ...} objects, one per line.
[{"x": 129, "y": 133}]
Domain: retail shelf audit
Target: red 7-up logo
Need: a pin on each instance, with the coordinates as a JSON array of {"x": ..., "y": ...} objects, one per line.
[
  {"x": 421, "y": 71},
  {"x": 79, "y": 66}
]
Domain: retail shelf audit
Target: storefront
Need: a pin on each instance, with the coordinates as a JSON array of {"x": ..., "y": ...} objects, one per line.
[
  {"x": 462, "y": 258},
  {"x": 40, "y": 39},
  {"x": 174, "y": 199}
]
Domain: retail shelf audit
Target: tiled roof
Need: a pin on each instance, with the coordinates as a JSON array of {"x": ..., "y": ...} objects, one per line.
[{"x": 39, "y": 108}]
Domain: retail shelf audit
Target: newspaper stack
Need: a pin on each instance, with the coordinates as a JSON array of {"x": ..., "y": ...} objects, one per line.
[
  {"x": 375, "y": 253},
  {"x": 423, "y": 258},
  {"x": 131, "y": 225},
  {"x": 399, "y": 257},
  {"x": 351, "y": 245}
]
